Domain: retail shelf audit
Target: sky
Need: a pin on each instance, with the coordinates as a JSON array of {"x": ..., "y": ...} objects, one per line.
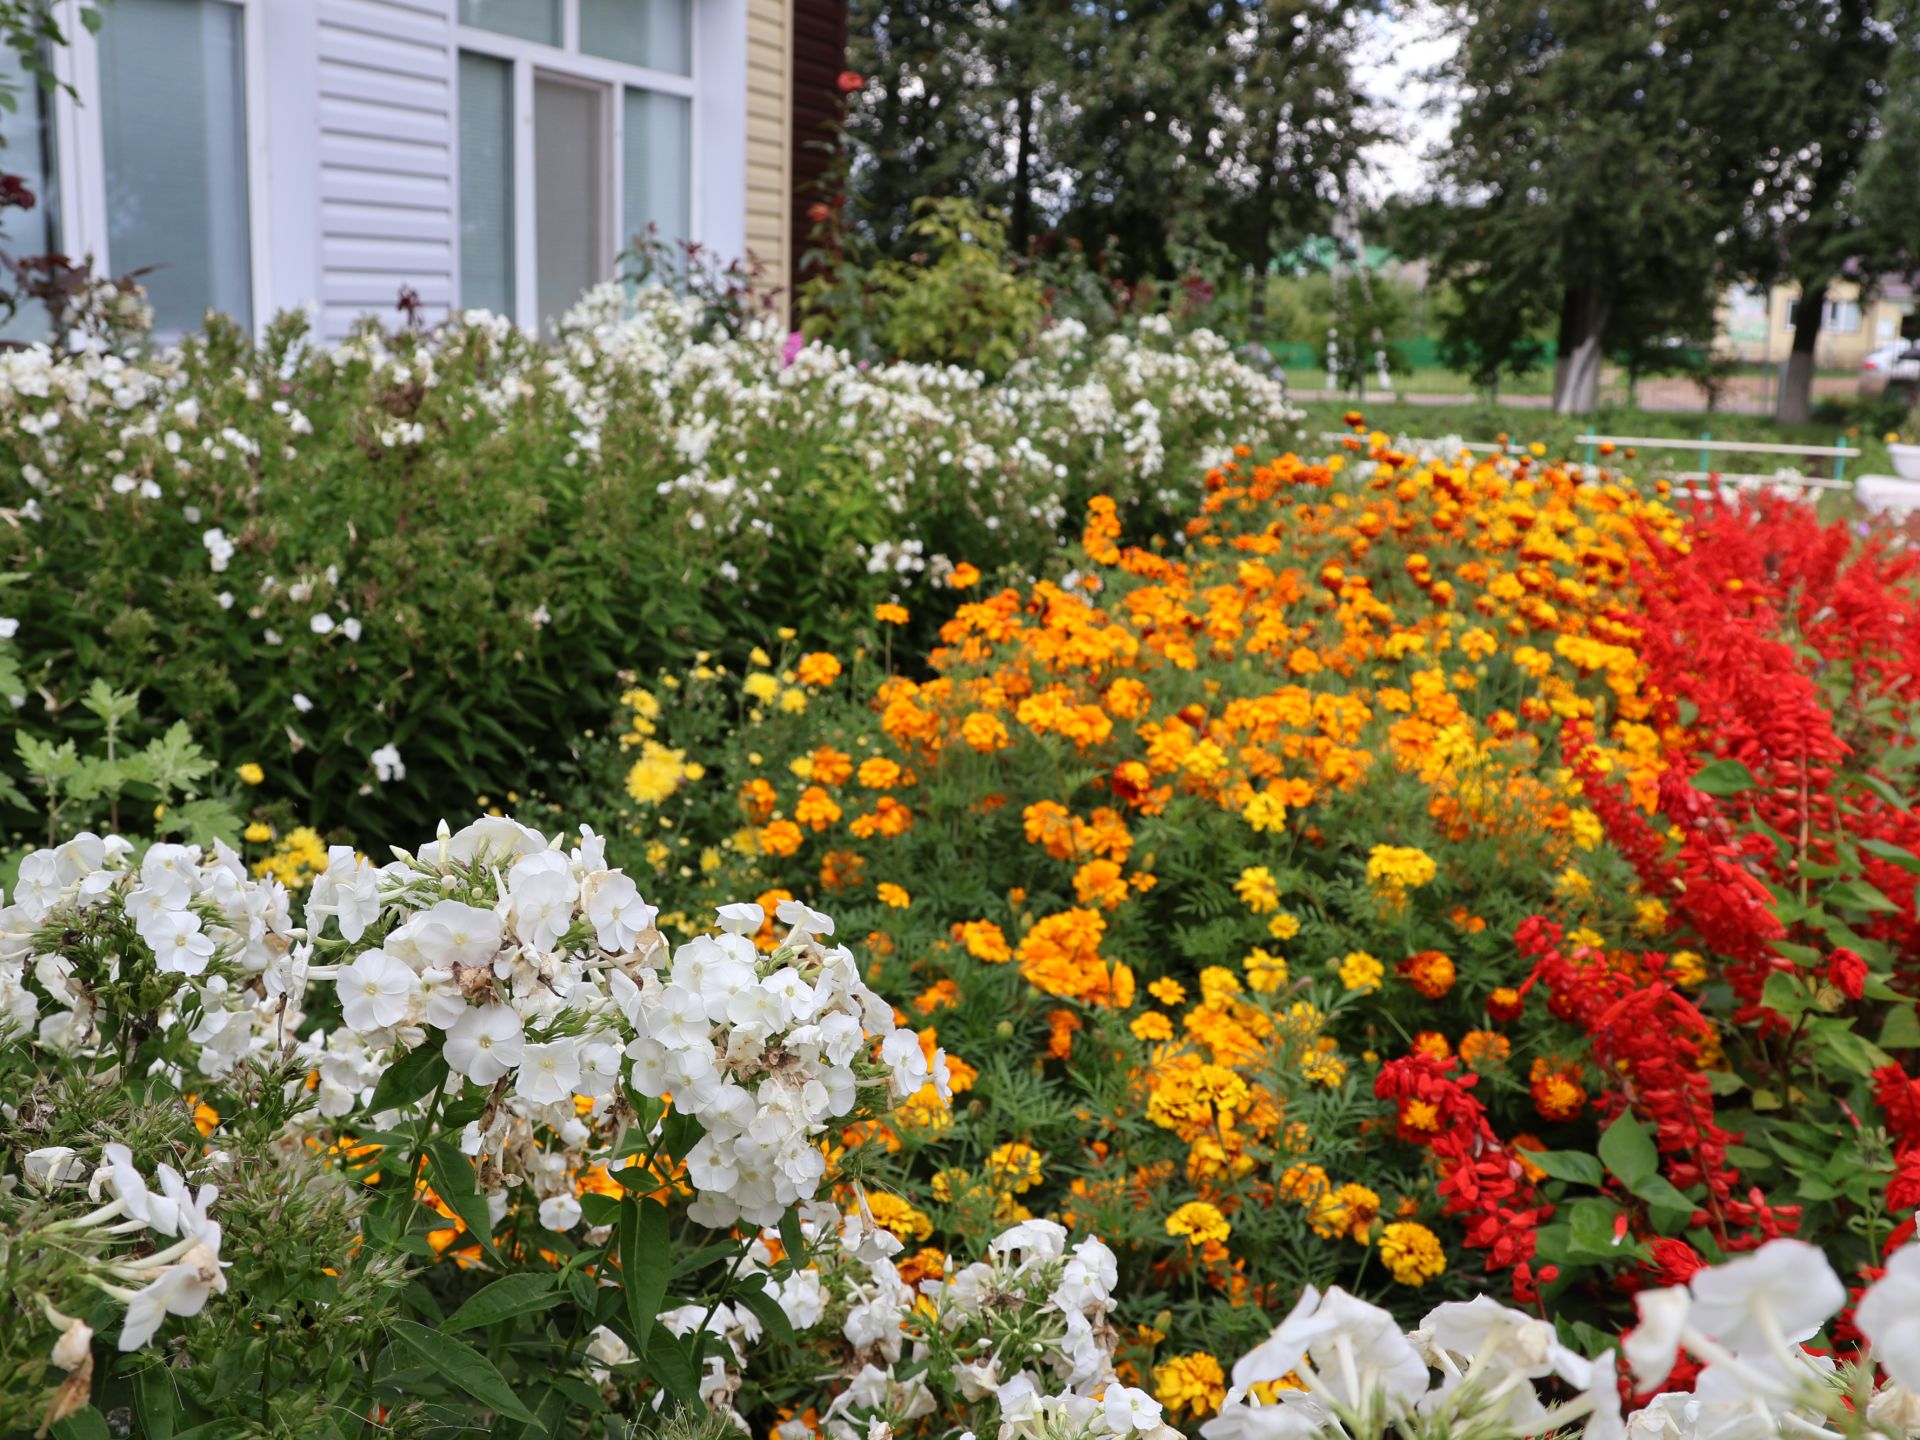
[{"x": 1398, "y": 48}]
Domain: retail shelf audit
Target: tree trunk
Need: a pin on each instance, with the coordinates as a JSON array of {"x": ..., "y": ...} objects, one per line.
[
  {"x": 1584, "y": 314},
  {"x": 1794, "y": 405},
  {"x": 1263, "y": 241},
  {"x": 1022, "y": 207}
]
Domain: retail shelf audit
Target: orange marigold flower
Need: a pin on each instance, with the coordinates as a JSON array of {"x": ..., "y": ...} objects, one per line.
[
  {"x": 1151, "y": 1026},
  {"x": 889, "y": 818},
  {"x": 757, "y": 800},
  {"x": 941, "y": 995},
  {"x": 1100, "y": 882},
  {"x": 1190, "y": 1385},
  {"x": 781, "y": 838},
  {"x": 817, "y": 668},
  {"x": 1428, "y": 971},
  {"x": 1060, "y": 1027},
  {"x": 984, "y": 941},
  {"x": 816, "y": 809},
  {"x": 879, "y": 773},
  {"x": 1484, "y": 1049},
  {"x": 831, "y": 766},
  {"x": 964, "y": 576},
  {"x": 890, "y": 614},
  {"x": 1432, "y": 1042},
  {"x": 983, "y": 732},
  {"x": 892, "y": 895},
  {"x": 1505, "y": 1003}
]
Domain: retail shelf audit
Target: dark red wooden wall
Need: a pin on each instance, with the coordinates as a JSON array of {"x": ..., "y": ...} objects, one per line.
[{"x": 819, "y": 57}]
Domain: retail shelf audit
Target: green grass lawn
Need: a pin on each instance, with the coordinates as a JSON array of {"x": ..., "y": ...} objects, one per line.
[{"x": 1482, "y": 422}]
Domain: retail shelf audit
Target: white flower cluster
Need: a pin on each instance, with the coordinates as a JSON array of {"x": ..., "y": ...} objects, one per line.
[
  {"x": 177, "y": 1277},
  {"x": 1022, "y": 1340},
  {"x": 1472, "y": 1367},
  {"x": 531, "y": 969}
]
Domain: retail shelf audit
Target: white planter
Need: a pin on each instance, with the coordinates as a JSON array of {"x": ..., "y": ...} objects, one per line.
[{"x": 1906, "y": 461}]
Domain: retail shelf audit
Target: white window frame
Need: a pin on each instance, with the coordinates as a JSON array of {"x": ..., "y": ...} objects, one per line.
[
  {"x": 566, "y": 62},
  {"x": 80, "y": 150}
]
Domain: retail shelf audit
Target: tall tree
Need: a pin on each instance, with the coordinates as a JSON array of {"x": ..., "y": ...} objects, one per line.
[
  {"x": 1293, "y": 125},
  {"x": 1574, "y": 160},
  {"x": 1815, "y": 113}
]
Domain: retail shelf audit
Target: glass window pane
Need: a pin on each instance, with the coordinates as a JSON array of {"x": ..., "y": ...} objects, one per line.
[
  {"x": 173, "y": 115},
  {"x": 486, "y": 184},
  {"x": 658, "y": 167},
  {"x": 529, "y": 19},
  {"x": 568, "y": 200},
  {"x": 27, "y": 136},
  {"x": 656, "y": 33}
]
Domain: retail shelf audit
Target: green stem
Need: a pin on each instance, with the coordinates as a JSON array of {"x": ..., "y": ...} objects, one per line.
[{"x": 426, "y": 1133}]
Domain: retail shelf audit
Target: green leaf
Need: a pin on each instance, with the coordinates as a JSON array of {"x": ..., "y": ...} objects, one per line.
[
  {"x": 1574, "y": 1165},
  {"x": 667, "y": 1362},
  {"x": 454, "y": 1183},
  {"x": 1902, "y": 1029},
  {"x": 1626, "y": 1148},
  {"x": 793, "y": 1239},
  {"x": 1785, "y": 993},
  {"x": 87, "y": 1424},
  {"x": 412, "y": 1077},
  {"x": 755, "y": 1298},
  {"x": 1856, "y": 895},
  {"x": 1898, "y": 854},
  {"x": 646, "y": 1262},
  {"x": 461, "y": 1365},
  {"x": 156, "y": 1402},
  {"x": 1724, "y": 777},
  {"x": 505, "y": 1298}
]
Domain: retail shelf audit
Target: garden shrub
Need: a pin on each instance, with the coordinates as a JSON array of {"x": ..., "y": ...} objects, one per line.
[
  {"x": 1434, "y": 877},
  {"x": 397, "y": 573}
]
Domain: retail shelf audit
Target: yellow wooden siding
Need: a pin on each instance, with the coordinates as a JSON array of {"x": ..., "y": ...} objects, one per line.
[{"x": 769, "y": 159}]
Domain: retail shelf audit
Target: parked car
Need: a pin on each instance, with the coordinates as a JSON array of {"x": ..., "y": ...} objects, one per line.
[{"x": 1897, "y": 361}]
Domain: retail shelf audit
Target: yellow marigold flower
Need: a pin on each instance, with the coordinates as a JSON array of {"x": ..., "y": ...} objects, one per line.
[
  {"x": 1649, "y": 916},
  {"x": 1399, "y": 867},
  {"x": 817, "y": 668},
  {"x": 892, "y": 895},
  {"x": 761, "y": 686},
  {"x": 985, "y": 733},
  {"x": 901, "y": 1219},
  {"x": 1015, "y": 1167},
  {"x": 1266, "y": 972},
  {"x": 249, "y": 772},
  {"x": 890, "y": 614},
  {"x": 1283, "y": 926},
  {"x": 1257, "y": 890},
  {"x": 1192, "y": 1385},
  {"x": 1689, "y": 971},
  {"x": 1151, "y": 1026},
  {"x": 1167, "y": 991},
  {"x": 1360, "y": 972},
  {"x": 793, "y": 701},
  {"x": 1200, "y": 1223},
  {"x": 759, "y": 657},
  {"x": 1348, "y": 1212},
  {"x": 258, "y": 832},
  {"x": 1412, "y": 1253},
  {"x": 1265, "y": 812}
]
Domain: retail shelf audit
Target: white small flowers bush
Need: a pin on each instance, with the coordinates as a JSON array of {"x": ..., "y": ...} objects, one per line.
[{"x": 500, "y": 1009}]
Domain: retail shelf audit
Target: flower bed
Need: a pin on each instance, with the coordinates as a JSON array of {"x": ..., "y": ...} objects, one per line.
[
  {"x": 1429, "y": 954},
  {"x": 1440, "y": 879}
]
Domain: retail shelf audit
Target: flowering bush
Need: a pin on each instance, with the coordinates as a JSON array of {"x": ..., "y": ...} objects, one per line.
[
  {"x": 383, "y": 571},
  {"x": 489, "y": 1024},
  {"x": 1439, "y": 877}
]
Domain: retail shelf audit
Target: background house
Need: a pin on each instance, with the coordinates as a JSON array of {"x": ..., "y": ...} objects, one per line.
[
  {"x": 494, "y": 153},
  {"x": 1758, "y": 325}
]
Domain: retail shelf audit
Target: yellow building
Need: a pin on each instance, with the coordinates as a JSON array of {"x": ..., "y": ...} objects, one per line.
[{"x": 1758, "y": 325}]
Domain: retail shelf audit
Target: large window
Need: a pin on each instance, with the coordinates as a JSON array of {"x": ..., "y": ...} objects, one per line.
[
  {"x": 173, "y": 124},
  {"x": 576, "y": 135},
  {"x": 27, "y": 133}
]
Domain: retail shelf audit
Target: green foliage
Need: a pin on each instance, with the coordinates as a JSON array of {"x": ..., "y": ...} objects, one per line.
[
  {"x": 955, "y": 302},
  {"x": 450, "y": 542}
]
